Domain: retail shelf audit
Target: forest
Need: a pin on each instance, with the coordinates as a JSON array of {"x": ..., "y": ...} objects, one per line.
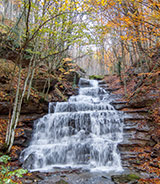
[{"x": 46, "y": 46}]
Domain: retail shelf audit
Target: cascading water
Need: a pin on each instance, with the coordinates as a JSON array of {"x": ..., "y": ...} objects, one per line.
[{"x": 81, "y": 133}]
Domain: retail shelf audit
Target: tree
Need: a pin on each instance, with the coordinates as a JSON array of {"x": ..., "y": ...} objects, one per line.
[{"x": 46, "y": 29}]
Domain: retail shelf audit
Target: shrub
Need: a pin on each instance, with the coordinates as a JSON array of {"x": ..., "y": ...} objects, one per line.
[{"x": 6, "y": 175}]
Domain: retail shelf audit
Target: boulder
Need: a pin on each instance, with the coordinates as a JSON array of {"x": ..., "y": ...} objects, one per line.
[
  {"x": 144, "y": 100},
  {"x": 73, "y": 77},
  {"x": 125, "y": 178},
  {"x": 29, "y": 162},
  {"x": 39, "y": 84},
  {"x": 84, "y": 82},
  {"x": 31, "y": 107},
  {"x": 4, "y": 108}
]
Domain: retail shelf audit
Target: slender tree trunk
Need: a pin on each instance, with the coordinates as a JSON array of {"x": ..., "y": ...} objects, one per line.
[
  {"x": 11, "y": 123},
  {"x": 17, "y": 108}
]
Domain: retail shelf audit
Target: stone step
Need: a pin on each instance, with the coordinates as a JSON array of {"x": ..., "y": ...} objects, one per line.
[
  {"x": 111, "y": 89},
  {"x": 137, "y": 127},
  {"x": 103, "y": 86},
  {"x": 135, "y": 111},
  {"x": 135, "y": 118},
  {"x": 119, "y": 105},
  {"x": 127, "y": 155},
  {"x": 134, "y": 135},
  {"x": 130, "y": 128},
  {"x": 102, "y": 82},
  {"x": 126, "y": 145},
  {"x": 118, "y": 102},
  {"x": 131, "y": 123}
]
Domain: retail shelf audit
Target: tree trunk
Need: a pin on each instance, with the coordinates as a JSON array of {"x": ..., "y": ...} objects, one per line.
[{"x": 16, "y": 110}]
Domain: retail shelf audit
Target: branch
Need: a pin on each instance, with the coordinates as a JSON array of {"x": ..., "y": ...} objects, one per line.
[
  {"x": 36, "y": 32},
  {"x": 27, "y": 21}
]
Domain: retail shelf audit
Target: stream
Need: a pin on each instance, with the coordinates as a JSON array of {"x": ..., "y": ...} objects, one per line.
[{"x": 79, "y": 135}]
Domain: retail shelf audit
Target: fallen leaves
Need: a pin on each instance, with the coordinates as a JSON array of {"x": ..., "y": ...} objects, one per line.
[{"x": 3, "y": 128}]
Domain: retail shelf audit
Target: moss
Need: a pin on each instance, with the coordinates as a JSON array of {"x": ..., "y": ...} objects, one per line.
[
  {"x": 125, "y": 178},
  {"x": 61, "y": 182},
  {"x": 96, "y": 77},
  {"x": 132, "y": 177}
]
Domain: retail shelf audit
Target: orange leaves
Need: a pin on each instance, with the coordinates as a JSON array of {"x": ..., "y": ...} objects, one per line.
[
  {"x": 19, "y": 132},
  {"x": 3, "y": 127},
  {"x": 149, "y": 181}
]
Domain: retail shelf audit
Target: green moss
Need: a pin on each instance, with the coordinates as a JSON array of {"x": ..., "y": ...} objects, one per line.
[
  {"x": 132, "y": 177},
  {"x": 125, "y": 178},
  {"x": 96, "y": 77},
  {"x": 61, "y": 182}
]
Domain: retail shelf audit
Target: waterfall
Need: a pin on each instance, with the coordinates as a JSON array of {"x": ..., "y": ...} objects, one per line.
[{"x": 81, "y": 133}]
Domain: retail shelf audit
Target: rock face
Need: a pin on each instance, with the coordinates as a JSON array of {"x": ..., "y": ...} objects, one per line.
[
  {"x": 4, "y": 108},
  {"x": 140, "y": 101},
  {"x": 39, "y": 84},
  {"x": 29, "y": 107},
  {"x": 135, "y": 132}
]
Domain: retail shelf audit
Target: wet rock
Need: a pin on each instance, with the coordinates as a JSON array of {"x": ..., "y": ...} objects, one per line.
[
  {"x": 28, "y": 181},
  {"x": 61, "y": 182},
  {"x": 111, "y": 89},
  {"x": 84, "y": 82},
  {"x": 136, "y": 111},
  {"x": 101, "y": 82},
  {"x": 19, "y": 141},
  {"x": 119, "y": 105},
  {"x": 131, "y": 118},
  {"x": 126, "y": 178},
  {"x": 119, "y": 102},
  {"x": 103, "y": 86},
  {"x": 52, "y": 107},
  {"x": 29, "y": 162}
]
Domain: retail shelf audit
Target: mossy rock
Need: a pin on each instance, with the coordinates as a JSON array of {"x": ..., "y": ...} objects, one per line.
[
  {"x": 96, "y": 77},
  {"x": 126, "y": 178},
  {"x": 61, "y": 182}
]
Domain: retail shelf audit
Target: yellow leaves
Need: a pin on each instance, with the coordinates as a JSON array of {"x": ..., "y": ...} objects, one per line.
[
  {"x": 66, "y": 73},
  {"x": 128, "y": 37},
  {"x": 67, "y": 59},
  {"x": 101, "y": 2},
  {"x": 72, "y": 70},
  {"x": 62, "y": 70},
  {"x": 149, "y": 74},
  {"x": 61, "y": 86},
  {"x": 124, "y": 37}
]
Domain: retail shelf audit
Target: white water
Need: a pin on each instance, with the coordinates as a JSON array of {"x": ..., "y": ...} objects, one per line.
[{"x": 81, "y": 133}]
